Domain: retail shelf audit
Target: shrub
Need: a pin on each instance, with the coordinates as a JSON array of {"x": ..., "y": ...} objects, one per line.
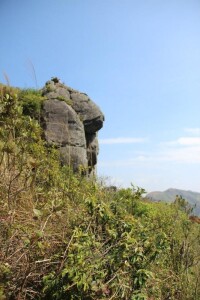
[
  {"x": 63, "y": 236},
  {"x": 31, "y": 101}
]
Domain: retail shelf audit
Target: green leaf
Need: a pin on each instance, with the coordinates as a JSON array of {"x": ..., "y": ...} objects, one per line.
[{"x": 37, "y": 212}]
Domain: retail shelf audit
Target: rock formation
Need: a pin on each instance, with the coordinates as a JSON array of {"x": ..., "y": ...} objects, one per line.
[{"x": 71, "y": 121}]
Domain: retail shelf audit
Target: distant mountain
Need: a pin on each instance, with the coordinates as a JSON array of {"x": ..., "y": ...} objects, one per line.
[{"x": 169, "y": 196}]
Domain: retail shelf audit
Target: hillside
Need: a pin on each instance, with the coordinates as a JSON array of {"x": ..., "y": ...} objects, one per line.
[
  {"x": 169, "y": 195},
  {"x": 66, "y": 236}
]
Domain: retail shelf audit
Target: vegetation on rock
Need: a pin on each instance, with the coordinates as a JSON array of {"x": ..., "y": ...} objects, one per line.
[
  {"x": 63, "y": 236},
  {"x": 31, "y": 101}
]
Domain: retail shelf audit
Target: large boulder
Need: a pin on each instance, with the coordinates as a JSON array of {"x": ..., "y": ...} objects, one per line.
[
  {"x": 71, "y": 121},
  {"x": 89, "y": 112}
]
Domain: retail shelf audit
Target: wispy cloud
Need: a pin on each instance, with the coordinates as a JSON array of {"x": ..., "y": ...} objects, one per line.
[
  {"x": 190, "y": 138},
  {"x": 122, "y": 140},
  {"x": 170, "y": 163},
  {"x": 193, "y": 131},
  {"x": 184, "y": 141},
  {"x": 190, "y": 154},
  {"x": 183, "y": 150},
  {"x": 157, "y": 157},
  {"x": 189, "y": 141}
]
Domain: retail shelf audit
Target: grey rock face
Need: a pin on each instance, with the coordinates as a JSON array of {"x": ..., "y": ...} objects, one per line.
[
  {"x": 71, "y": 121},
  {"x": 62, "y": 125},
  {"x": 90, "y": 113},
  {"x": 92, "y": 149},
  {"x": 74, "y": 157},
  {"x": 55, "y": 90}
]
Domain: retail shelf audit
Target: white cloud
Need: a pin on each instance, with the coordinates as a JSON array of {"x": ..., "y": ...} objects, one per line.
[
  {"x": 183, "y": 150},
  {"x": 190, "y": 154},
  {"x": 193, "y": 131},
  {"x": 183, "y": 155},
  {"x": 122, "y": 140},
  {"x": 189, "y": 141},
  {"x": 183, "y": 141},
  {"x": 173, "y": 163}
]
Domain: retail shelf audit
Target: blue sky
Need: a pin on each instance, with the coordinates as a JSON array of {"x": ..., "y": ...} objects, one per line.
[{"x": 138, "y": 60}]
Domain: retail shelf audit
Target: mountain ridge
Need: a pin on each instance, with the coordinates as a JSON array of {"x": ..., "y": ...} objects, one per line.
[{"x": 170, "y": 194}]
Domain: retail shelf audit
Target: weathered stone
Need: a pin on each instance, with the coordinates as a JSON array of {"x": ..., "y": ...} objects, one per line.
[
  {"x": 71, "y": 120},
  {"x": 74, "y": 157},
  {"x": 62, "y": 125},
  {"x": 92, "y": 149},
  {"x": 56, "y": 91},
  {"x": 90, "y": 113}
]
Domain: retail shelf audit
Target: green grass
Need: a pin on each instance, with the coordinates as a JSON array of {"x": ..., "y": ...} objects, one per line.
[{"x": 63, "y": 236}]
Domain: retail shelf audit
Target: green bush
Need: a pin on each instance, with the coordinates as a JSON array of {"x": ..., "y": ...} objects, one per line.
[
  {"x": 31, "y": 101},
  {"x": 63, "y": 236}
]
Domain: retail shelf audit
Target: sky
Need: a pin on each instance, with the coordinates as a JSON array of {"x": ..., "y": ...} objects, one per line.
[{"x": 138, "y": 60}]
